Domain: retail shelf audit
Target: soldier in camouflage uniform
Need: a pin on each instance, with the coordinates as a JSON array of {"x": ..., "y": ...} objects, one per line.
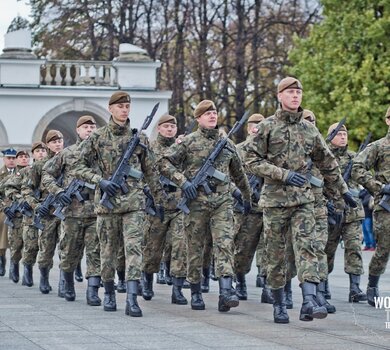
[
  {"x": 79, "y": 228},
  {"x": 280, "y": 152},
  {"x": 350, "y": 229},
  {"x": 376, "y": 157},
  {"x": 99, "y": 156},
  {"x": 209, "y": 213},
  {"x": 48, "y": 237},
  {"x": 172, "y": 225},
  {"x": 29, "y": 232}
]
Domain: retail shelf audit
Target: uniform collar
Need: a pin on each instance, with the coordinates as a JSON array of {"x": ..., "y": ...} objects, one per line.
[
  {"x": 209, "y": 133},
  {"x": 289, "y": 117},
  {"x": 165, "y": 141},
  {"x": 338, "y": 151},
  {"x": 119, "y": 129}
]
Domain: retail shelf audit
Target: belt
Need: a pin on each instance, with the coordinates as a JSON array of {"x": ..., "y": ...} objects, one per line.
[{"x": 217, "y": 188}]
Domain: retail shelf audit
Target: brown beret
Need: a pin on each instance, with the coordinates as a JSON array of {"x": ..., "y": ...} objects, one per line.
[
  {"x": 256, "y": 118},
  {"x": 119, "y": 97},
  {"x": 36, "y": 145},
  {"x": 388, "y": 112},
  {"x": 166, "y": 118},
  {"x": 22, "y": 152},
  {"x": 289, "y": 82},
  {"x": 53, "y": 135},
  {"x": 308, "y": 114},
  {"x": 333, "y": 126},
  {"x": 204, "y": 106},
  {"x": 85, "y": 119}
]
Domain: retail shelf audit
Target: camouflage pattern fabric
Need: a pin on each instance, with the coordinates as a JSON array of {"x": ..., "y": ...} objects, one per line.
[
  {"x": 47, "y": 241},
  {"x": 380, "y": 258},
  {"x": 15, "y": 239},
  {"x": 30, "y": 243}
]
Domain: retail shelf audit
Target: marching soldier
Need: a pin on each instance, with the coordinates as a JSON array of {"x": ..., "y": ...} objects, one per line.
[{"x": 209, "y": 213}]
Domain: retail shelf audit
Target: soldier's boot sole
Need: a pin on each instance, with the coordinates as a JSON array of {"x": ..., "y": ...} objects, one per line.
[
  {"x": 179, "y": 301},
  {"x": 308, "y": 314},
  {"x": 356, "y": 297}
]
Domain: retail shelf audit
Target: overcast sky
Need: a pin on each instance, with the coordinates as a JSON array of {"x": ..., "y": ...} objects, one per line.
[{"x": 9, "y": 9}]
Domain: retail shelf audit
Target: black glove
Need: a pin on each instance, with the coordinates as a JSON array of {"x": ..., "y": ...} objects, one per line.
[
  {"x": 385, "y": 189},
  {"x": 295, "y": 179},
  {"x": 43, "y": 211},
  {"x": 109, "y": 187},
  {"x": 64, "y": 199},
  {"x": 348, "y": 199},
  {"x": 160, "y": 212},
  {"x": 189, "y": 190},
  {"x": 237, "y": 195},
  {"x": 9, "y": 213},
  {"x": 247, "y": 207},
  {"x": 363, "y": 193},
  {"x": 26, "y": 206},
  {"x": 331, "y": 209}
]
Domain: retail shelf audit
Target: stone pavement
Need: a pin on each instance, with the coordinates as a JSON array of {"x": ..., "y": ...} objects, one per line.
[{"x": 30, "y": 320}]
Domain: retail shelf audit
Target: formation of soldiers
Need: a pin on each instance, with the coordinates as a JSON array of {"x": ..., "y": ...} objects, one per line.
[{"x": 197, "y": 206}]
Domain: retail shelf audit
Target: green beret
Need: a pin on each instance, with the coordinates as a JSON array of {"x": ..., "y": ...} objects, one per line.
[
  {"x": 22, "y": 152},
  {"x": 204, "y": 106},
  {"x": 53, "y": 135},
  {"x": 333, "y": 126},
  {"x": 85, "y": 119},
  {"x": 309, "y": 115},
  {"x": 290, "y": 83},
  {"x": 166, "y": 118},
  {"x": 36, "y": 145},
  {"x": 256, "y": 118},
  {"x": 119, "y": 97}
]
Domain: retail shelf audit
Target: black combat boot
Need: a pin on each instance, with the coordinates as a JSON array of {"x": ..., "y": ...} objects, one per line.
[
  {"x": 213, "y": 276},
  {"x": 14, "y": 272},
  {"x": 78, "y": 274},
  {"x": 147, "y": 289},
  {"x": 160, "y": 274},
  {"x": 2, "y": 265},
  {"x": 227, "y": 298},
  {"x": 321, "y": 301},
  {"x": 177, "y": 294},
  {"x": 186, "y": 284},
  {"x": 121, "y": 285},
  {"x": 372, "y": 289},
  {"x": 93, "y": 291},
  {"x": 70, "y": 294},
  {"x": 310, "y": 309},
  {"x": 132, "y": 307},
  {"x": 280, "y": 310},
  {"x": 266, "y": 295},
  {"x": 61, "y": 285},
  {"x": 109, "y": 303},
  {"x": 44, "y": 286},
  {"x": 327, "y": 293},
  {"x": 168, "y": 277},
  {"x": 27, "y": 279},
  {"x": 355, "y": 293},
  {"x": 288, "y": 295},
  {"x": 197, "y": 302},
  {"x": 205, "y": 279},
  {"x": 140, "y": 285},
  {"x": 241, "y": 291}
]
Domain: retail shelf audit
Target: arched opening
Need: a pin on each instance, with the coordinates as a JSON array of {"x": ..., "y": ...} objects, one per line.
[{"x": 3, "y": 135}]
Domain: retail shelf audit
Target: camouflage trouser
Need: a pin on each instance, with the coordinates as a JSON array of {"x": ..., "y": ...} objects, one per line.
[
  {"x": 15, "y": 238},
  {"x": 47, "y": 241},
  {"x": 208, "y": 251},
  {"x": 380, "y": 258},
  {"x": 30, "y": 244},
  {"x": 155, "y": 242},
  {"x": 351, "y": 234},
  {"x": 167, "y": 254},
  {"x": 248, "y": 230},
  {"x": 261, "y": 256},
  {"x": 320, "y": 240},
  {"x": 210, "y": 218},
  {"x": 77, "y": 233},
  {"x": 121, "y": 258},
  {"x": 3, "y": 234},
  {"x": 111, "y": 230},
  {"x": 298, "y": 223}
]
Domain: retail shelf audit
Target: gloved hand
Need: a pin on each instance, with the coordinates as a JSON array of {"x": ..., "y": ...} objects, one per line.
[
  {"x": 43, "y": 211},
  {"x": 348, "y": 199},
  {"x": 363, "y": 193},
  {"x": 26, "y": 206},
  {"x": 295, "y": 179},
  {"x": 237, "y": 195},
  {"x": 331, "y": 209},
  {"x": 64, "y": 199},
  {"x": 247, "y": 207},
  {"x": 189, "y": 190},
  {"x": 109, "y": 187},
  {"x": 160, "y": 212},
  {"x": 9, "y": 213},
  {"x": 385, "y": 189}
]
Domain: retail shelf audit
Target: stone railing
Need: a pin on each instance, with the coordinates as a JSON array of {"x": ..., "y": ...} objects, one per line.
[{"x": 78, "y": 73}]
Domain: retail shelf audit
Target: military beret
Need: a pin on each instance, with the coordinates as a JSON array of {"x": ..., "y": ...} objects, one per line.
[
  {"x": 22, "y": 152},
  {"x": 334, "y": 126},
  {"x": 85, "y": 119},
  {"x": 308, "y": 114},
  {"x": 256, "y": 118},
  {"x": 53, "y": 135},
  {"x": 119, "y": 97},
  {"x": 36, "y": 145},
  {"x": 166, "y": 118},
  {"x": 9, "y": 152},
  {"x": 289, "y": 82},
  {"x": 388, "y": 112},
  {"x": 204, "y": 106}
]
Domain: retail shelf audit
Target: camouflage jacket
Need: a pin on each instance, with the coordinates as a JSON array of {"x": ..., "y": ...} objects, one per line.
[
  {"x": 343, "y": 157},
  {"x": 190, "y": 155},
  {"x": 4, "y": 176},
  {"x": 59, "y": 165},
  {"x": 98, "y": 158},
  {"x": 375, "y": 157},
  {"x": 287, "y": 142}
]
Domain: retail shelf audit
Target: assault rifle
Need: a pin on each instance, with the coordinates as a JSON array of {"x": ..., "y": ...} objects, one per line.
[
  {"x": 335, "y": 131},
  {"x": 73, "y": 190},
  {"x": 207, "y": 170},
  {"x": 123, "y": 168},
  {"x": 315, "y": 181},
  {"x": 17, "y": 207},
  {"x": 48, "y": 201},
  {"x": 255, "y": 184},
  {"x": 150, "y": 207}
]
